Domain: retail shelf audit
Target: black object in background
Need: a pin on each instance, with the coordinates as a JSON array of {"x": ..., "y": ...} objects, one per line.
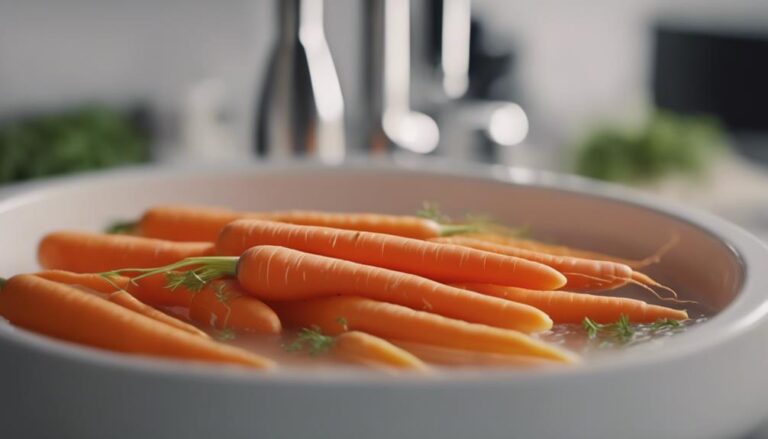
[
  {"x": 491, "y": 57},
  {"x": 725, "y": 75},
  {"x": 721, "y": 74}
]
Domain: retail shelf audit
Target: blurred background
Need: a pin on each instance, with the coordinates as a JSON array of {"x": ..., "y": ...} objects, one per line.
[{"x": 665, "y": 96}]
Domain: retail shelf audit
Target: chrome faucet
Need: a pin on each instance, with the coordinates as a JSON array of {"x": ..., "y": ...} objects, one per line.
[
  {"x": 391, "y": 121},
  {"x": 302, "y": 108}
]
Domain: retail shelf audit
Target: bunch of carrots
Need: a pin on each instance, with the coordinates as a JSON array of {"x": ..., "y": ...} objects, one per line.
[{"x": 392, "y": 292}]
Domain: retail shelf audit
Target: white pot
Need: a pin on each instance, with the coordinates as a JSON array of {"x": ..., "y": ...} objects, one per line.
[{"x": 709, "y": 382}]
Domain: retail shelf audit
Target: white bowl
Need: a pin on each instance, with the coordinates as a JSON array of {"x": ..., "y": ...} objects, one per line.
[{"x": 706, "y": 383}]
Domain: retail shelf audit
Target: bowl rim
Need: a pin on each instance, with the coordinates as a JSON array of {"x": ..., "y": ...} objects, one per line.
[{"x": 742, "y": 315}]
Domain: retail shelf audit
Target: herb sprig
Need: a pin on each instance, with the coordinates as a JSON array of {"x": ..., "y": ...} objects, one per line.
[
  {"x": 311, "y": 339},
  {"x": 622, "y": 331}
]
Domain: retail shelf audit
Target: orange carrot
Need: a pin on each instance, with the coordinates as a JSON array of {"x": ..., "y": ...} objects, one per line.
[
  {"x": 33, "y": 303},
  {"x": 565, "y": 307},
  {"x": 463, "y": 358},
  {"x": 334, "y": 315},
  {"x": 124, "y": 299},
  {"x": 114, "y": 291},
  {"x": 441, "y": 262},
  {"x": 91, "y": 281},
  {"x": 372, "y": 351},
  {"x": 198, "y": 223},
  {"x": 277, "y": 273},
  {"x": 582, "y": 274},
  {"x": 559, "y": 250},
  {"x": 221, "y": 305},
  {"x": 91, "y": 252}
]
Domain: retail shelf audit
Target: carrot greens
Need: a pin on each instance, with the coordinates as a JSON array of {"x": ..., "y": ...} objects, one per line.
[
  {"x": 621, "y": 331},
  {"x": 311, "y": 339},
  {"x": 665, "y": 324}
]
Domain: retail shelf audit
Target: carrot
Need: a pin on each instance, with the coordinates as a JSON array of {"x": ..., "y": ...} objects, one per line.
[
  {"x": 223, "y": 304},
  {"x": 462, "y": 358},
  {"x": 277, "y": 273},
  {"x": 90, "y": 252},
  {"x": 198, "y": 223},
  {"x": 441, "y": 262},
  {"x": 367, "y": 349},
  {"x": 559, "y": 250},
  {"x": 566, "y": 307},
  {"x": 582, "y": 274},
  {"x": 357, "y": 347},
  {"x": 114, "y": 291},
  {"x": 64, "y": 312},
  {"x": 91, "y": 281},
  {"x": 124, "y": 299},
  {"x": 334, "y": 315},
  {"x": 220, "y": 305}
]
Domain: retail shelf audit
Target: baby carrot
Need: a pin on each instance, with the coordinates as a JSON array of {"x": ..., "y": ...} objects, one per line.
[
  {"x": 222, "y": 304},
  {"x": 560, "y": 250},
  {"x": 91, "y": 281},
  {"x": 124, "y": 299},
  {"x": 114, "y": 291},
  {"x": 278, "y": 273},
  {"x": 367, "y": 349},
  {"x": 565, "y": 307},
  {"x": 441, "y": 262},
  {"x": 582, "y": 274},
  {"x": 464, "y": 358},
  {"x": 334, "y": 315},
  {"x": 357, "y": 347},
  {"x": 198, "y": 223},
  {"x": 64, "y": 312},
  {"x": 91, "y": 252}
]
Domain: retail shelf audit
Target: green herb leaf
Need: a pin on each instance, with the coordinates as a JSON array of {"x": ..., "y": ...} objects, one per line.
[
  {"x": 311, "y": 339},
  {"x": 591, "y": 327},
  {"x": 665, "y": 324},
  {"x": 121, "y": 228},
  {"x": 621, "y": 331},
  {"x": 431, "y": 210},
  {"x": 224, "y": 334},
  {"x": 192, "y": 280}
]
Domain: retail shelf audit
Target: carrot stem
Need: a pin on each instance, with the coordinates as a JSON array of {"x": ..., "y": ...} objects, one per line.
[
  {"x": 122, "y": 227},
  {"x": 209, "y": 268},
  {"x": 457, "y": 229},
  {"x": 2, "y": 282}
]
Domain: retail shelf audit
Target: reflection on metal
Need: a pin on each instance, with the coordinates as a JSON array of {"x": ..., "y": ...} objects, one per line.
[
  {"x": 412, "y": 130},
  {"x": 454, "y": 59},
  {"x": 302, "y": 108},
  {"x": 388, "y": 77},
  {"x": 508, "y": 124}
]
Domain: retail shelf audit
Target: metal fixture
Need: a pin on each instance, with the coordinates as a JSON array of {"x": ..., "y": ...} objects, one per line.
[
  {"x": 302, "y": 108},
  {"x": 392, "y": 122}
]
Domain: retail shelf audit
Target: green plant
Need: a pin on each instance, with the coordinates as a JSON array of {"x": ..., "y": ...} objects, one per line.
[
  {"x": 667, "y": 143},
  {"x": 85, "y": 138}
]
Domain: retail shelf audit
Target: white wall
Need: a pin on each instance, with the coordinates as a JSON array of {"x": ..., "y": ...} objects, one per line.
[{"x": 579, "y": 60}]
